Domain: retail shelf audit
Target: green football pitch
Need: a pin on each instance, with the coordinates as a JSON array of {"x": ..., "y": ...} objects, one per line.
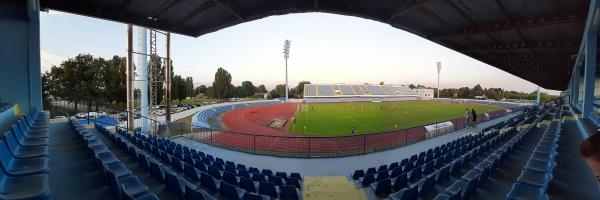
[{"x": 338, "y": 119}]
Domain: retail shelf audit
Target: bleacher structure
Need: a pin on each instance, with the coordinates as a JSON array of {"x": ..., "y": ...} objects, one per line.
[
  {"x": 189, "y": 173},
  {"x": 478, "y": 155},
  {"x": 24, "y": 158},
  {"x": 345, "y": 93}
]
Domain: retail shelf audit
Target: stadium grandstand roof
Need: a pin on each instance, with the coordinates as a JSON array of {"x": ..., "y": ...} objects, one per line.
[{"x": 532, "y": 39}]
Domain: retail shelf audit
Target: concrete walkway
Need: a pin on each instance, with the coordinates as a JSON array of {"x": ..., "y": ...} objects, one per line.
[{"x": 343, "y": 166}]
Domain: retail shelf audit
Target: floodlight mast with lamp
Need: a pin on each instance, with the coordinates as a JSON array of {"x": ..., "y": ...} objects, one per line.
[{"x": 286, "y": 55}]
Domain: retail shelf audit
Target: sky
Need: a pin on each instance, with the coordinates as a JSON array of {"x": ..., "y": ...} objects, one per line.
[{"x": 325, "y": 48}]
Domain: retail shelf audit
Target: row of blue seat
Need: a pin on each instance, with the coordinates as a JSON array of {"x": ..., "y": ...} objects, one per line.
[
  {"x": 155, "y": 145},
  {"x": 122, "y": 182},
  {"x": 427, "y": 183},
  {"x": 426, "y": 156},
  {"x": 24, "y": 158},
  {"x": 206, "y": 179},
  {"x": 466, "y": 185},
  {"x": 537, "y": 173},
  {"x": 450, "y": 169}
]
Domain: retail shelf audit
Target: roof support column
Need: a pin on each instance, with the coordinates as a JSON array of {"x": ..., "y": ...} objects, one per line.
[
  {"x": 590, "y": 70},
  {"x": 576, "y": 77},
  {"x": 130, "y": 77}
]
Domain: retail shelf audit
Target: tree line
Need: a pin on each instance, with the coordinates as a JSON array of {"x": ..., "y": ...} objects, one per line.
[
  {"x": 222, "y": 88},
  {"x": 489, "y": 93},
  {"x": 89, "y": 80}
]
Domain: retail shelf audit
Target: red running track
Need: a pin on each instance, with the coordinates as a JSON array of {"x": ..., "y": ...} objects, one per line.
[
  {"x": 255, "y": 120},
  {"x": 249, "y": 133}
]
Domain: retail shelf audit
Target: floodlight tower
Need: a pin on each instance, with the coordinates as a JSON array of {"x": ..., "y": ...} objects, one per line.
[
  {"x": 286, "y": 55},
  {"x": 439, "y": 68}
]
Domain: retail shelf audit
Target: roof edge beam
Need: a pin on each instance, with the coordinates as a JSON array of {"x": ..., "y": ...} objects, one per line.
[{"x": 514, "y": 24}]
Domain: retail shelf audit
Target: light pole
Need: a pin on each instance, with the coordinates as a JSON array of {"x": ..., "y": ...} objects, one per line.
[
  {"x": 286, "y": 55},
  {"x": 439, "y": 68}
]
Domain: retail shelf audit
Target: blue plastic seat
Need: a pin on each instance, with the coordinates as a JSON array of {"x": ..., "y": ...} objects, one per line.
[
  {"x": 192, "y": 193},
  {"x": 258, "y": 177},
  {"x": 201, "y": 166},
  {"x": 132, "y": 187},
  {"x": 123, "y": 183},
  {"x": 393, "y": 165},
  {"x": 25, "y": 141},
  {"x": 106, "y": 158},
  {"x": 156, "y": 171},
  {"x": 24, "y": 187},
  {"x": 230, "y": 178},
  {"x": 357, "y": 174},
  {"x": 444, "y": 196},
  {"x": 294, "y": 181},
  {"x": 382, "y": 187},
  {"x": 208, "y": 182},
  {"x": 190, "y": 171},
  {"x": 230, "y": 168},
  {"x": 177, "y": 165},
  {"x": 382, "y": 168},
  {"x": 427, "y": 184},
  {"x": 289, "y": 192},
  {"x": 143, "y": 160},
  {"x": 382, "y": 175},
  {"x": 534, "y": 178},
  {"x": 278, "y": 181},
  {"x": 266, "y": 188},
  {"x": 462, "y": 188},
  {"x": 243, "y": 173},
  {"x": 443, "y": 174},
  {"x": 21, "y": 167},
  {"x": 24, "y": 152},
  {"x": 396, "y": 172},
  {"x": 254, "y": 196},
  {"x": 408, "y": 167},
  {"x": 32, "y": 132},
  {"x": 525, "y": 191},
  {"x": 230, "y": 192},
  {"x": 253, "y": 170},
  {"x": 149, "y": 196},
  {"x": 367, "y": 180},
  {"x": 400, "y": 182},
  {"x": 174, "y": 183},
  {"x": 267, "y": 172},
  {"x": 415, "y": 175},
  {"x": 371, "y": 170},
  {"x": 247, "y": 184},
  {"x": 484, "y": 171},
  {"x": 428, "y": 168},
  {"x": 215, "y": 172},
  {"x": 408, "y": 193},
  {"x": 539, "y": 166}
]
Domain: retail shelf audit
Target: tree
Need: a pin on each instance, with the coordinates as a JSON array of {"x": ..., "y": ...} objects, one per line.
[
  {"x": 247, "y": 89},
  {"x": 115, "y": 80},
  {"x": 178, "y": 88},
  {"x": 464, "y": 92},
  {"x": 261, "y": 89},
  {"x": 189, "y": 87},
  {"x": 299, "y": 89},
  {"x": 278, "y": 91},
  {"x": 222, "y": 84},
  {"x": 411, "y": 86},
  {"x": 477, "y": 91},
  {"x": 200, "y": 90},
  {"x": 381, "y": 83}
]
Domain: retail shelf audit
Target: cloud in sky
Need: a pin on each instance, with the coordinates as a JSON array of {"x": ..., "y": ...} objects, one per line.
[{"x": 48, "y": 60}]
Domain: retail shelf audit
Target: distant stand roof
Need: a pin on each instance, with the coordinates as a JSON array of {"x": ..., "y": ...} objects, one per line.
[{"x": 532, "y": 39}]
